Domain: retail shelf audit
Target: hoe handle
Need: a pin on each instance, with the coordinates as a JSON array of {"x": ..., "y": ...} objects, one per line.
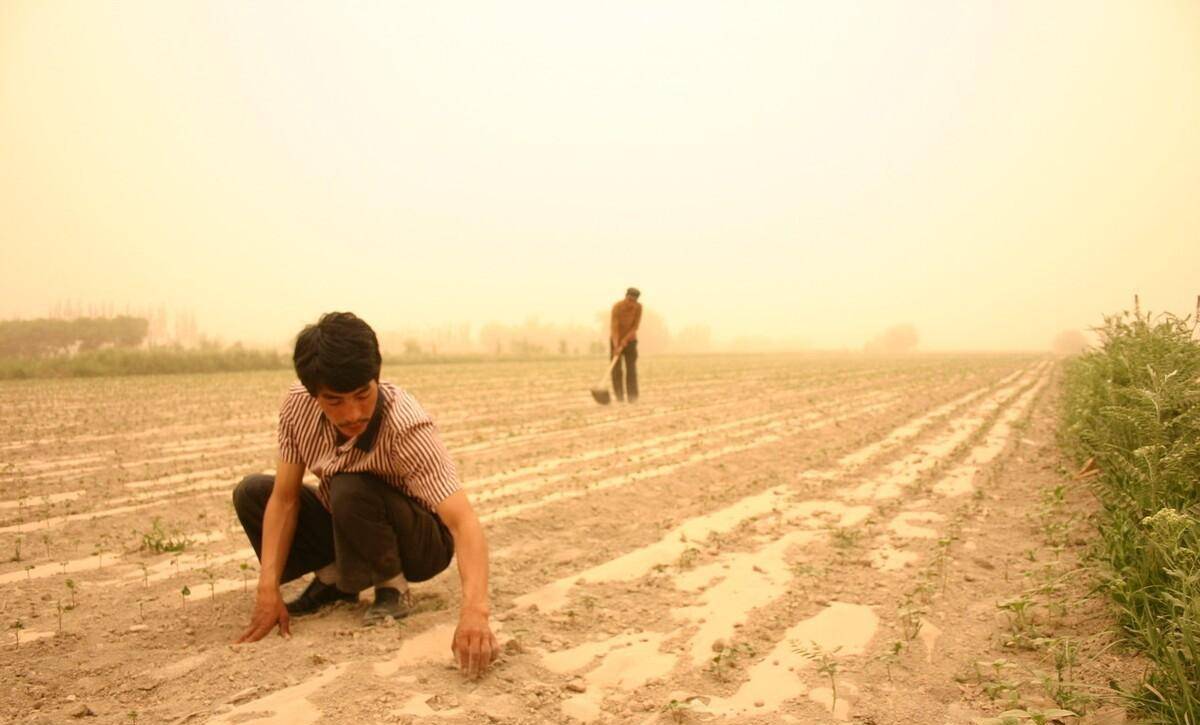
[{"x": 611, "y": 365}]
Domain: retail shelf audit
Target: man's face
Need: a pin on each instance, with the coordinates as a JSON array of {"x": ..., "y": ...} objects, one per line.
[{"x": 349, "y": 412}]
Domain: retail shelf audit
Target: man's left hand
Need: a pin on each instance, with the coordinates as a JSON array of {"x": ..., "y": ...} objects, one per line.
[{"x": 474, "y": 645}]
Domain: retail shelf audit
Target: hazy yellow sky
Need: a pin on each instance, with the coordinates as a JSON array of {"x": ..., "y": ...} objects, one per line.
[{"x": 992, "y": 172}]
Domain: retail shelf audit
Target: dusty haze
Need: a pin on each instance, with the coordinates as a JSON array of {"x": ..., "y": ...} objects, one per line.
[{"x": 992, "y": 173}]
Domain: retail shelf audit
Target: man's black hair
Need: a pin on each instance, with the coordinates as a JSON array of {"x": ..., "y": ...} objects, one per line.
[{"x": 340, "y": 353}]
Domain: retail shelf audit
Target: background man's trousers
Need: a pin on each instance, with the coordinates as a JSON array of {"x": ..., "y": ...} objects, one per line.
[
  {"x": 372, "y": 531},
  {"x": 625, "y": 380}
]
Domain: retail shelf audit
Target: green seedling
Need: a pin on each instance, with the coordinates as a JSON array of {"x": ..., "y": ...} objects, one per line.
[
  {"x": 677, "y": 710},
  {"x": 911, "y": 616},
  {"x": 212, "y": 584},
  {"x": 1020, "y": 613},
  {"x": 1061, "y": 687},
  {"x": 891, "y": 656},
  {"x": 245, "y": 568},
  {"x": 826, "y": 662},
  {"x": 993, "y": 682},
  {"x": 159, "y": 541},
  {"x": 58, "y": 605},
  {"x": 846, "y": 538},
  {"x": 70, "y": 584},
  {"x": 726, "y": 659},
  {"x": 183, "y": 595},
  {"x": 145, "y": 574},
  {"x": 16, "y": 627},
  {"x": 1019, "y": 717},
  {"x": 29, "y": 572}
]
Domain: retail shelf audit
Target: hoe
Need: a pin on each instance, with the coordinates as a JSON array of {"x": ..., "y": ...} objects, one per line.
[{"x": 600, "y": 389}]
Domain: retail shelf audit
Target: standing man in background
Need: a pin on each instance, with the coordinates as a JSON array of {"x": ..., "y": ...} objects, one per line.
[{"x": 626, "y": 315}]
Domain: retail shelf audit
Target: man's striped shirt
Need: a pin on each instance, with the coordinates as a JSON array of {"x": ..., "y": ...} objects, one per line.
[{"x": 400, "y": 445}]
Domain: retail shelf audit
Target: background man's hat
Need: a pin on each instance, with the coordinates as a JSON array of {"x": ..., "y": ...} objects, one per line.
[{"x": 633, "y": 292}]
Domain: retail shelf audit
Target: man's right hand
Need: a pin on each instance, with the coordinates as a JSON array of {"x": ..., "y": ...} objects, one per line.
[{"x": 269, "y": 610}]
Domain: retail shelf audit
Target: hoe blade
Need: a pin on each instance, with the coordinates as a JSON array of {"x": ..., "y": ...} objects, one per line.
[{"x": 601, "y": 396}]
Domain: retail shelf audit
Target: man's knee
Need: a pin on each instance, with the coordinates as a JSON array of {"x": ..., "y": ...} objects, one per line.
[
  {"x": 348, "y": 492},
  {"x": 255, "y": 488}
]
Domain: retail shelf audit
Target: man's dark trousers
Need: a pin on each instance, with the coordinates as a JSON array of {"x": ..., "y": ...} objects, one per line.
[
  {"x": 373, "y": 531},
  {"x": 626, "y": 379}
]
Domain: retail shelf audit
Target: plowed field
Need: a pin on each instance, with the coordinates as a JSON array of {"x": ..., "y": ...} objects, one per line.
[{"x": 759, "y": 539}]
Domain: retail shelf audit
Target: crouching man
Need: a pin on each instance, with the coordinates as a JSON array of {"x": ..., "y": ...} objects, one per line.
[{"x": 388, "y": 510}]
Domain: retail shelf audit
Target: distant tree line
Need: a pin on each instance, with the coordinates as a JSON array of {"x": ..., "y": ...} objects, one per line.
[{"x": 47, "y": 338}]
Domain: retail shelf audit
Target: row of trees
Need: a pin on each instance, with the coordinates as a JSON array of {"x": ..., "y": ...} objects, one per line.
[
  {"x": 48, "y": 337},
  {"x": 535, "y": 338}
]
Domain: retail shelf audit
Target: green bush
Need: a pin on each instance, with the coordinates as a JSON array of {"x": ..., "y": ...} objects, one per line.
[{"x": 1133, "y": 405}]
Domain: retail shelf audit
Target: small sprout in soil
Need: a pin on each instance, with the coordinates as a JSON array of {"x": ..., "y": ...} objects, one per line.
[
  {"x": 846, "y": 538},
  {"x": 826, "y": 662},
  {"x": 677, "y": 710},
  {"x": 158, "y": 541},
  {"x": 1018, "y": 717},
  {"x": 46, "y": 541},
  {"x": 1020, "y": 617},
  {"x": 28, "y": 572},
  {"x": 58, "y": 605},
  {"x": 688, "y": 558},
  {"x": 70, "y": 584},
  {"x": 183, "y": 595},
  {"x": 245, "y": 568},
  {"x": 891, "y": 656},
  {"x": 145, "y": 574},
  {"x": 910, "y": 615},
  {"x": 212, "y": 584},
  {"x": 17, "y": 550},
  {"x": 16, "y": 627},
  {"x": 726, "y": 659}
]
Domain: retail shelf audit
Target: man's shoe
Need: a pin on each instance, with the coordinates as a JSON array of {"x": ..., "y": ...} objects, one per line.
[
  {"x": 389, "y": 602},
  {"x": 318, "y": 594}
]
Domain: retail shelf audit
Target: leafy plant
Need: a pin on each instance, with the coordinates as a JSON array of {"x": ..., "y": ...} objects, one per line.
[
  {"x": 1018, "y": 717},
  {"x": 677, "y": 710},
  {"x": 826, "y": 662},
  {"x": 726, "y": 659},
  {"x": 1132, "y": 412},
  {"x": 158, "y": 540}
]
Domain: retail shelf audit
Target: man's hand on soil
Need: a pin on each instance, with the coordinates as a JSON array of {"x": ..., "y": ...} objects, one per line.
[
  {"x": 269, "y": 610},
  {"x": 474, "y": 645}
]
